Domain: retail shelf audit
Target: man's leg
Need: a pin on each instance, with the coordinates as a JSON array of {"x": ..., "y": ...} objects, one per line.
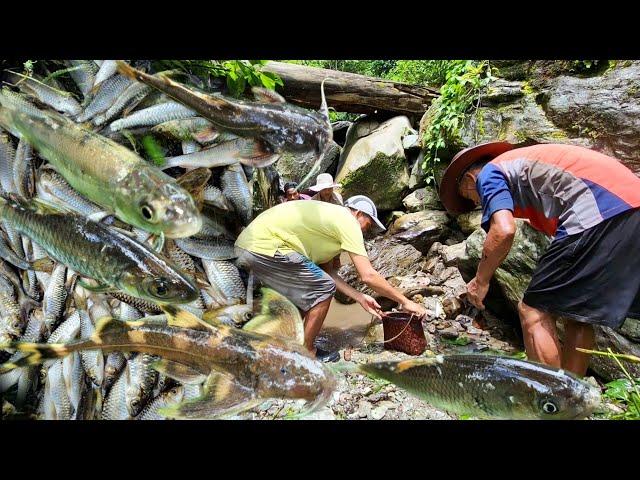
[
  {"x": 313, "y": 321},
  {"x": 577, "y": 335},
  {"x": 540, "y": 337}
]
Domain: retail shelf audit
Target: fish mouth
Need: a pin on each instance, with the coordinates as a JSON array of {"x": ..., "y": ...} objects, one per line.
[{"x": 184, "y": 227}]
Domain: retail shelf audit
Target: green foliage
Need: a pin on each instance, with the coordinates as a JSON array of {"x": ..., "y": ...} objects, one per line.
[
  {"x": 153, "y": 150},
  {"x": 421, "y": 72},
  {"x": 239, "y": 74},
  {"x": 465, "y": 80},
  {"x": 625, "y": 393},
  {"x": 28, "y": 67}
]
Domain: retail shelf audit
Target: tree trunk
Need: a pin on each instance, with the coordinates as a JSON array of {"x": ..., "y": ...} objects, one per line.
[{"x": 350, "y": 92}]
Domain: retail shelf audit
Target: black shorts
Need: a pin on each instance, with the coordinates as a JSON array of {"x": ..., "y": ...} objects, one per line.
[{"x": 592, "y": 276}]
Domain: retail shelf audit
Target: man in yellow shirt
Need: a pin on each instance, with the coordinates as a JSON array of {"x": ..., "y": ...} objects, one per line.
[{"x": 285, "y": 245}]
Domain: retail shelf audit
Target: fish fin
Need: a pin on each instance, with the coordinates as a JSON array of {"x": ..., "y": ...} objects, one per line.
[
  {"x": 279, "y": 317},
  {"x": 267, "y": 96},
  {"x": 45, "y": 207},
  {"x": 110, "y": 324},
  {"x": 178, "y": 371},
  {"x": 206, "y": 135},
  {"x": 223, "y": 396},
  {"x": 256, "y": 153},
  {"x": 183, "y": 319},
  {"x": 36, "y": 353},
  {"x": 99, "y": 288},
  {"x": 324, "y": 110},
  {"x": 226, "y": 137},
  {"x": 44, "y": 264},
  {"x": 98, "y": 216},
  {"x": 315, "y": 169},
  {"x": 157, "y": 243}
]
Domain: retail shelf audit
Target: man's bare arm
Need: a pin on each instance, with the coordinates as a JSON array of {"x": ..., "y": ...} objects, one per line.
[
  {"x": 497, "y": 244},
  {"x": 379, "y": 284}
]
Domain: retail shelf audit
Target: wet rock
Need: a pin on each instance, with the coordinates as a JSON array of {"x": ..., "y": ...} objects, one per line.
[
  {"x": 411, "y": 141},
  {"x": 452, "y": 307},
  {"x": 389, "y": 257},
  {"x": 364, "y": 409},
  {"x": 325, "y": 413},
  {"x": 421, "y": 199},
  {"x": 421, "y": 229},
  {"x": 631, "y": 329},
  {"x": 375, "y": 165},
  {"x": 451, "y": 253},
  {"x": 469, "y": 222},
  {"x": 450, "y": 333},
  {"x": 294, "y": 167},
  {"x": 340, "y": 130},
  {"x": 380, "y": 410}
]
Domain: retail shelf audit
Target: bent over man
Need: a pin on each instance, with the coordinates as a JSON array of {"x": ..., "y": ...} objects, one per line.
[
  {"x": 286, "y": 245},
  {"x": 590, "y": 274}
]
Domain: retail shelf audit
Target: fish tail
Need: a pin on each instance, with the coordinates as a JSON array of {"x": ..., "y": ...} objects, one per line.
[{"x": 36, "y": 353}]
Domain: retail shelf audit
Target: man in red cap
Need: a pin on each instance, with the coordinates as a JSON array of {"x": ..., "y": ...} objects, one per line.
[{"x": 588, "y": 202}]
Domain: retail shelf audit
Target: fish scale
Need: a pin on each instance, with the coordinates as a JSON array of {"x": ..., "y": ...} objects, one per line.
[
  {"x": 109, "y": 91},
  {"x": 130, "y": 97},
  {"x": 153, "y": 116},
  {"x": 115, "y": 404},
  {"x": 114, "y": 364},
  {"x": 236, "y": 189},
  {"x": 170, "y": 397},
  {"x": 54, "y": 189},
  {"x": 142, "y": 379},
  {"x": 56, "y": 99},
  {"x": 226, "y": 276},
  {"x": 24, "y": 170},
  {"x": 55, "y": 295},
  {"x": 92, "y": 360}
]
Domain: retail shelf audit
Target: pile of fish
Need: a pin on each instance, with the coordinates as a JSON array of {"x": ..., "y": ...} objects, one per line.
[{"x": 120, "y": 295}]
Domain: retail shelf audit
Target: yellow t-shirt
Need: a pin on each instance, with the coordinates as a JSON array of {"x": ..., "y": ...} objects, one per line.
[{"x": 317, "y": 230}]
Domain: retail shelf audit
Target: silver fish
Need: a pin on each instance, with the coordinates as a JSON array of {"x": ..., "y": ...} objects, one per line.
[
  {"x": 7, "y": 160},
  {"x": 73, "y": 375},
  {"x": 53, "y": 189},
  {"x": 209, "y": 249},
  {"x": 189, "y": 146},
  {"x": 170, "y": 397},
  {"x": 92, "y": 360},
  {"x": 84, "y": 74},
  {"x": 24, "y": 170},
  {"x": 55, "y": 295},
  {"x": 226, "y": 277},
  {"x": 56, "y": 400},
  {"x": 213, "y": 196},
  {"x": 153, "y": 116},
  {"x": 67, "y": 330},
  {"x": 236, "y": 188},
  {"x": 212, "y": 157},
  {"x": 115, "y": 405},
  {"x": 128, "y": 99},
  {"x": 142, "y": 379},
  {"x": 106, "y": 96},
  {"x": 107, "y": 70},
  {"x": 114, "y": 364},
  {"x": 56, "y": 99}
]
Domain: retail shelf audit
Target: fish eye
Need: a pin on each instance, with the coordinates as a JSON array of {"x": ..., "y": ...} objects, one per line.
[
  {"x": 147, "y": 211},
  {"x": 248, "y": 316},
  {"x": 283, "y": 371},
  {"x": 549, "y": 407},
  {"x": 159, "y": 287}
]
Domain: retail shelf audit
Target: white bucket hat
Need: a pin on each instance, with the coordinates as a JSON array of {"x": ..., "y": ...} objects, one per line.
[
  {"x": 365, "y": 205},
  {"x": 324, "y": 180}
]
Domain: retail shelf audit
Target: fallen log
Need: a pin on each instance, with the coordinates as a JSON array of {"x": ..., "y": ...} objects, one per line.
[{"x": 350, "y": 92}]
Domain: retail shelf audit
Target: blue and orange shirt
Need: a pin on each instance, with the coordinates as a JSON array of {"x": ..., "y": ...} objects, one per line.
[{"x": 561, "y": 189}]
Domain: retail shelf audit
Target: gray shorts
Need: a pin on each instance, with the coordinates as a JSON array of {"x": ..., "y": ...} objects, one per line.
[{"x": 292, "y": 275}]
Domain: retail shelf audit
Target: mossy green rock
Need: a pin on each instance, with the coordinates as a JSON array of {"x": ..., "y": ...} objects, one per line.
[
  {"x": 470, "y": 222},
  {"x": 376, "y": 166},
  {"x": 421, "y": 229}
]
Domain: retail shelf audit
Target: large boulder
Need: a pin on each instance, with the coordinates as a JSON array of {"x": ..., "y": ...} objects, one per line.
[
  {"x": 421, "y": 229},
  {"x": 470, "y": 222},
  {"x": 512, "y": 278},
  {"x": 421, "y": 199},
  {"x": 294, "y": 167},
  {"x": 596, "y": 107},
  {"x": 605, "y": 109},
  {"x": 375, "y": 164}
]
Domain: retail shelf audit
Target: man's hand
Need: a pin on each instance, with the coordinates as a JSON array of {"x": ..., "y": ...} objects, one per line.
[
  {"x": 476, "y": 291},
  {"x": 413, "y": 307},
  {"x": 370, "y": 305}
]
